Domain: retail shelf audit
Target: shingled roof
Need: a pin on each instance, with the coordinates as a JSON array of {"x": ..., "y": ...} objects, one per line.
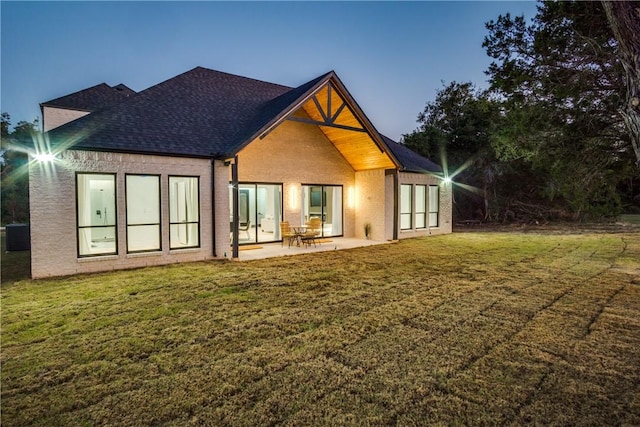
[
  {"x": 271, "y": 111},
  {"x": 201, "y": 113},
  {"x": 410, "y": 160},
  {"x": 93, "y": 98}
]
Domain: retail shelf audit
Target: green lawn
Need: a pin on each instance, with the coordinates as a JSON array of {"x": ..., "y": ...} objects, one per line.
[{"x": 465, "y": 329}]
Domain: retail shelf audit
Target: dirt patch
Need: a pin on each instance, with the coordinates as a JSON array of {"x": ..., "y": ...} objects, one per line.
[{"x": 550, "y": 227}]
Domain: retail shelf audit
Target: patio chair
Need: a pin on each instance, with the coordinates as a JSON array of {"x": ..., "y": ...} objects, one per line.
[
  {"x": 313, "y": 231},
  {"x": 286, "y": 232},
  {"x": 245, "y": 226}
]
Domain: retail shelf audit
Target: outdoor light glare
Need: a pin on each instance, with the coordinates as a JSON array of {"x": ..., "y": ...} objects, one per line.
[
  {"x": 351, "y": 197},
  {"x": 447, "y": 180},
  {"x": 293, "y": 197},
  {"x": 44, "y": 157}
]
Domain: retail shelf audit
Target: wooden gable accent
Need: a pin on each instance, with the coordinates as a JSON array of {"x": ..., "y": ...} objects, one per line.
[{"x": 331, "y": 112}]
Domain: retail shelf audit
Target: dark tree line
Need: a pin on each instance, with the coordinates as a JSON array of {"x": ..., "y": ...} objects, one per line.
[
  {"x": 14, "y": 169},
  {"x": 549, "y": 139}
]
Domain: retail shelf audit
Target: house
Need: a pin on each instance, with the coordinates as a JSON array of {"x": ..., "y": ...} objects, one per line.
[{"x": 198, "y": 165}]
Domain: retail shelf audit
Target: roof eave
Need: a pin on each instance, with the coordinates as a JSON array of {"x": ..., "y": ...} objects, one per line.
[
  {"x": 45, "y": 104},
  {"x": 143, "y": 152}
]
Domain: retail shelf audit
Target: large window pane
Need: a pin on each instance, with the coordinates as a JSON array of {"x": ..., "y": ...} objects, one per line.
[
  {"x": 259, "y": 212},
  {"x": 184, "y": 212},
  {"x": 405, "y": 207},
  {"x": 324, "y": 202},
  {"x": 143, "y": 213},
  {"x": 333, "y": 211},
  {"x": 268, "y": 212},
  {"x": 434, "y": 205},
  {"x": 421, "y": 206},
  {"x": 246, "y": 213},
  {"x": 96, "y": 203}
]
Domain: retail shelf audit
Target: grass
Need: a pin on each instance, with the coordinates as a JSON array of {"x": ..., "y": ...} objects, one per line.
[
  {"x": 630, "y": 219},
  {"x": 14, "y": 265},
  {"x": 464, "y": 329}
]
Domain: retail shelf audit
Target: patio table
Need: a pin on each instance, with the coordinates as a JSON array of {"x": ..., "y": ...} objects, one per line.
[{"x": 299, "y": 232}]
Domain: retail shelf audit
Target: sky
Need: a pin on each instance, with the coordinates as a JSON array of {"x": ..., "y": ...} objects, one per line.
[{"x": 393, "y": 57}]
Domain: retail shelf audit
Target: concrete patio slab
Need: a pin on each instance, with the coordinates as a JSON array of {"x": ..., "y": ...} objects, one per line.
[{"x": 270, "y": 250}]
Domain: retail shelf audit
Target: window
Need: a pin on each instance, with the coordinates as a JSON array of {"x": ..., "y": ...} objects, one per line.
[
  {"x": 143, "y": 213},
  {"x": 324, "y": 202},
  {"x": 421, "y": 206},
  {"x": 405, "y": 207},
  {"x": 434, "y": 205},
  {"x": 96, "y": 214},
  {"x": 184, "y": 212}
]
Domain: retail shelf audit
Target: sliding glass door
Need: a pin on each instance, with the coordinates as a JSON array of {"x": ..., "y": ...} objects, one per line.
[
  {"x": 259, "y": 212},
  {"x": 324, "y": 202}
]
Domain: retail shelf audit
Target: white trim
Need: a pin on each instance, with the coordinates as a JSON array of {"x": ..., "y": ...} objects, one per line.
[
  {"x": 184, "y": 251},
  {"x": 98, "y": 258},
  {"x": 144, "y": 254}
]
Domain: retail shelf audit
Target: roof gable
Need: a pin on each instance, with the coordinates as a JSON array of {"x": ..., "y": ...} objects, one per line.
[
  {"x": 93, "y": 98},
  {"x": 326, "y": 103}
]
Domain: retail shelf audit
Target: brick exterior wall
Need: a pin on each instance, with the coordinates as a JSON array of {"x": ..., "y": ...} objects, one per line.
[
  {"x": 222, "y": 209},
  {"x": 295, "y": 154},
  {"x": 370, "y": 203},
  {"x": 446, "y": 209},
  {"x": 54, "y": 117},
  {"x": 389, "y": 196},
  {"x": 53, "y": 211}
]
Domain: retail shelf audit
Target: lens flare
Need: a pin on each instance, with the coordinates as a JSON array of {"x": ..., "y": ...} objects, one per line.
[
  {"x": 448, "y": 177},
  {"x": 44, "y": 157}
]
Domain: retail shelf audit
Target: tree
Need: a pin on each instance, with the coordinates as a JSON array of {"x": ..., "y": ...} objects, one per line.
[
  {"x": 624, "y": 19},
  {"x": 561, "y": 83},
  {"x": 456, "y": 127},
  {"x": 14, "y": 168},
  {"x": 427, "y": 141}
]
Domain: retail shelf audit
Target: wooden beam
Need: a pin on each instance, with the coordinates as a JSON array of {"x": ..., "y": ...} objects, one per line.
[
  {"x": 327, "y": 123},
  {"x": 329, "y": 102},
  {"x": 335, "y": 116},
  {"x": 324, "y": 116}
]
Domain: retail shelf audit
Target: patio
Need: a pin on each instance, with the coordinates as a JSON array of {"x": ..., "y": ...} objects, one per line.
[{"x": 270, "y": 250}]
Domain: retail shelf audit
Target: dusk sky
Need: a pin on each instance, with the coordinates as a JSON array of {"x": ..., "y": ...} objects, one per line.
[{"x": 392, "y": 56}]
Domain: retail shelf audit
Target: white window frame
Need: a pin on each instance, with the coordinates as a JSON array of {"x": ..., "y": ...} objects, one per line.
[
  {"x": 434, "y": 208},
  {"x": 420, "y": 213},
  {"x": 404, "y": 204},
  {"x": 180, "y": 218},
  {"x": 134, "y": 215},
  {"x": 86, "y": 218}
]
